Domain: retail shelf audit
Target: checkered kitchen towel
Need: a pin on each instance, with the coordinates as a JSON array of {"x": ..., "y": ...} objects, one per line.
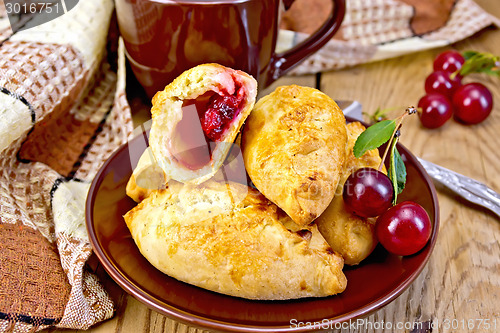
[
  {"x": 380, "y": 29},
  {"x": 63, "y": 111}
]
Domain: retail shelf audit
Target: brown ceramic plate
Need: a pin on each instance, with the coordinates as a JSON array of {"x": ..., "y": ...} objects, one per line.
[{"x": 374, "y": 283}]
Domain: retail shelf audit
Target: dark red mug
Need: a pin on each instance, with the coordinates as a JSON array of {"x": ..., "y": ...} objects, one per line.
[{"x": 163, "y": 38}]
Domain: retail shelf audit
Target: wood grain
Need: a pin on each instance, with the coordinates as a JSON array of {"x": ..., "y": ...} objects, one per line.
[{"x": 461, "y": 282}]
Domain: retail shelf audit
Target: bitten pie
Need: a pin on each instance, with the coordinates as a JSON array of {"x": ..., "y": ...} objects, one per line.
[
  {"x": 294, "y": 147},
  {"x": 228, "y": 238},
  {"x": 347, "y": 233},
  {"x": 196, "y": 119}
]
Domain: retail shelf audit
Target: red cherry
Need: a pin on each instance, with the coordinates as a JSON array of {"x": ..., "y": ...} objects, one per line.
[
  {"x": 436, "y": 110},
  {"x": 404, "y": 229},
  {"x": 368, "y": 192},
  {"x": 473, "y": 103},
  {"x": 441, "y": 83},
  {"x": 449, "y": 61}
]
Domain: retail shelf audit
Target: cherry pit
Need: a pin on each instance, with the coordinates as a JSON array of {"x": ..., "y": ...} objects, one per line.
[{"x": 446, "y": 94}]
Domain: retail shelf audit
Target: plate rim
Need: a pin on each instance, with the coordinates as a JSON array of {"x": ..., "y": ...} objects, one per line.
[{"x": 209, "y": 323}]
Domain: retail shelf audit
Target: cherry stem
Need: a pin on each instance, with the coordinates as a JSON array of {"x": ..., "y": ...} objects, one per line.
[{"x": 408, "y": 111}]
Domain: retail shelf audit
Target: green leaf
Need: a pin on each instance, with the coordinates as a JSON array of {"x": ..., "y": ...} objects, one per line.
[
  {"x": 400, "y": 171},
  {"x": 491, "y": 72},
  {"x": 469, "y": 54},
  {"x": 476, "y": 62},
  {"x": 397, "y": 171},
  {"x": 374, "y": 136}
]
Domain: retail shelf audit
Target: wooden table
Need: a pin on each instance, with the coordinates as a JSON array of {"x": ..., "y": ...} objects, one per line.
[{"x": 461, "y": 282}]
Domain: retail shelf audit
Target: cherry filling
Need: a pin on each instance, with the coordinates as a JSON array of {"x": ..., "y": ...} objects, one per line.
[
  {"x": 214, "y": 112},
  {"x": 221, "y": 110}
]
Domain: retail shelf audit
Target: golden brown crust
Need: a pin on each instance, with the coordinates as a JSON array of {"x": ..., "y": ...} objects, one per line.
[
  {"x": 294, "y": 149},
  {"x": 347, "y": 233},
  {"x": 167, "y": 112},
  {"x": 146, "y": 178},
  {"x": 228, "y": 238}
]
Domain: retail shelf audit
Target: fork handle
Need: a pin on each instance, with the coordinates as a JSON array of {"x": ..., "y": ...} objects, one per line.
[{"x": 468, "y": 188}]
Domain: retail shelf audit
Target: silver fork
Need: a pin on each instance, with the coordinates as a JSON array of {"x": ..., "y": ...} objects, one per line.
[{"x": 468, "y": 188}]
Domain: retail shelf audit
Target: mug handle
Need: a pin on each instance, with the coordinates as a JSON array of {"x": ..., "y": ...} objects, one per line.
[{"x": 282, "y": 63}]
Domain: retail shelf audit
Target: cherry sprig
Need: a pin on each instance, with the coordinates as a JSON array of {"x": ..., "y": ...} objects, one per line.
[
  {"x": 478, "y": 62},
  {"x": 402, "y": 228},
  {"x": 447, "y": 96},
  {"x": 380, "y": 114},
  {"x": 376, "y": 135}
]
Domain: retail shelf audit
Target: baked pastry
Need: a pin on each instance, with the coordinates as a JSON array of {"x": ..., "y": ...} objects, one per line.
[
  {"x": 146, "y": 177},
  {"x": 347, "y": 233},
  {"x": 196, "y": 119},
  {"x": 294, "y": 145},
  {"x": 229, "y": 238}
]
